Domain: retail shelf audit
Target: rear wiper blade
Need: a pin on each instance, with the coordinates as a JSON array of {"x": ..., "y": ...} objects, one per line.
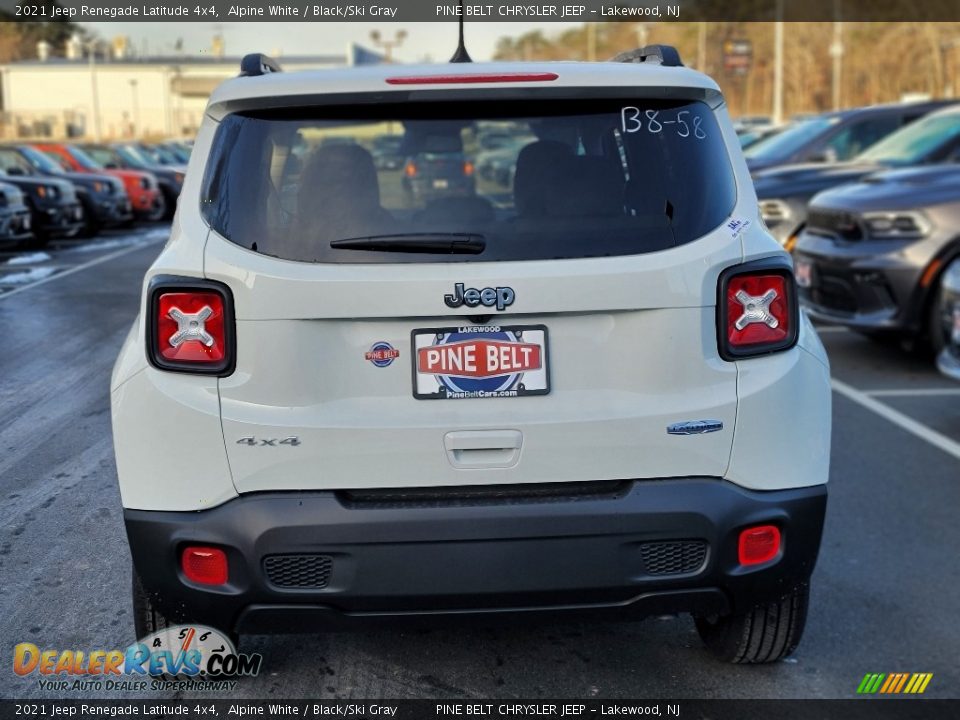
[{"x": 437, "y": 243}]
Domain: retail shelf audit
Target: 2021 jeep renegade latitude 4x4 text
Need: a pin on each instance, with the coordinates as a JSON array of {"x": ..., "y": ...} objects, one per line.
[{"x": 582, "y": 385}]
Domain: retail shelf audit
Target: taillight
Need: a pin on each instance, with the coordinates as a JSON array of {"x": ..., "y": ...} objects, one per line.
[
  {"x": 757, "y": 310},
  {"x": 758, "y": 545},
  {"x": 204, "y": 565},
  {"x": 410, "y": 170},
  {"x": 191, "y": 326},
  {"x": 468, "y": 168}
]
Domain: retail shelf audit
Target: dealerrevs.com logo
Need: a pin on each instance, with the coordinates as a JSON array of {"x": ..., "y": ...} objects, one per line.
[{"x": 181, "y": 657}]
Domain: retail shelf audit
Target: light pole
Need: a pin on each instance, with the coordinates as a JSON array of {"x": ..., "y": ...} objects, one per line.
[
  {"x": 136, "y": 107},
  {"x": 388, "y": 45},
  {"x": 778, "y": 66},
  {"x": 836, "y": 52},
  {"x": 94, "y": 93}
]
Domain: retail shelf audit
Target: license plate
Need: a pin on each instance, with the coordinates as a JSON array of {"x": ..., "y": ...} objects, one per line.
[
  {"x": 440, "y": 184},
  {"x": 480, "y": 361},
  {"x": 803, "y": 270}
]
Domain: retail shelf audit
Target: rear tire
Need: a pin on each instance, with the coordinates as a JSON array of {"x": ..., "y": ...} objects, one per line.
[
  {"x": 147, "y": 618},
  {"x": 764, "y": 634}
]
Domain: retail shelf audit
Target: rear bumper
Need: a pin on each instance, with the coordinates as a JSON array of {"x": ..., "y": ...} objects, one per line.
[{"x": 389, "y": 560}]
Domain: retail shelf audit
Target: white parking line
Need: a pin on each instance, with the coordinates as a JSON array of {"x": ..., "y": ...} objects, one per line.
[
  {"x": 78, "y": 268},
  {"x": 951, "y": 447},
  {"x": 915, "y": 392}
]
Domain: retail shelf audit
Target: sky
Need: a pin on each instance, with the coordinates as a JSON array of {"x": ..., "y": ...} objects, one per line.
[{"x": 434, "y": 41}]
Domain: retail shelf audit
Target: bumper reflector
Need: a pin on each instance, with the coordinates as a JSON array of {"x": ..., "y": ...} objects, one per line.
[
  {"x": 204, "y": 565},
  {"x": 759, "y": 544}
]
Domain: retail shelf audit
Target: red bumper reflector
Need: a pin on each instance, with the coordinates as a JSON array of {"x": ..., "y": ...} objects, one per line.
[
  {"x": 759, "y": 544},
  {"x": 204, "y": 565},
  {"x": 468, "y": 78}
]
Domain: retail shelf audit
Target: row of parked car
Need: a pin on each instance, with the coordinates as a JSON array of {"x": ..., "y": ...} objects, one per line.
[
  {"x": 63, "y": 190},
  {"x": 868, "y": 202}
]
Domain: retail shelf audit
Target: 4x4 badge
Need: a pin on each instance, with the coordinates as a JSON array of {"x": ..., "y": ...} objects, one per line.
[{"x": 502, "y": 297}]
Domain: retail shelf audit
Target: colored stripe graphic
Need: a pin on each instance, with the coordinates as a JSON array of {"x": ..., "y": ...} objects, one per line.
[{"x": 894, "y": 683}]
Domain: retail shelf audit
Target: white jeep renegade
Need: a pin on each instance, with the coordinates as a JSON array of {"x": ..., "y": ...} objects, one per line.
[{"x": 467, "y": 340}]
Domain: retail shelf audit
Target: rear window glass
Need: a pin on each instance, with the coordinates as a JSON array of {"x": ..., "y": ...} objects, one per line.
[{"x": 469, "y": 181}]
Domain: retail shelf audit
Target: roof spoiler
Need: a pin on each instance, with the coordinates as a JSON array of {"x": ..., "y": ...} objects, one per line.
[
  {"x": 256, "y": 64},
  {"x": 665, "y": 55}
]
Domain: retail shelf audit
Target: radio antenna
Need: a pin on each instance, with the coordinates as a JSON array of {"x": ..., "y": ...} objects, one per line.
[{"x": 461, "y": 55}]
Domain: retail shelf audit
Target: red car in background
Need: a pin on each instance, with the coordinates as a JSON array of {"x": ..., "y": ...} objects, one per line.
[{"x": 142, "y": 187}]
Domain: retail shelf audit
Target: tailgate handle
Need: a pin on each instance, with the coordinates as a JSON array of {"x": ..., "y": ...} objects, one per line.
[{"x": 483, "y": 448}]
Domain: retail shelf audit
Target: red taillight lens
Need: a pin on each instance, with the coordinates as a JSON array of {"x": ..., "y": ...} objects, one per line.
[
  {"x": 758, "y": 544},
  {"x": 468, "y": 168},
  {"x": 191, "y": 327},
  {"x": 410, "y": 170},
  {"x": 758, "y": 311},
  {"x": 204, "y": 565}
]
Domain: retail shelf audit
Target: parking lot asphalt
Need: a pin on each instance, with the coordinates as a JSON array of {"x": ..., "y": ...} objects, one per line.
[{"x": 886, "y": 592}]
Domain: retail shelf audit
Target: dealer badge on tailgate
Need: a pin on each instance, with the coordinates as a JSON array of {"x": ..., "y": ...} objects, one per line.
[{"x": 480, "y": 361}]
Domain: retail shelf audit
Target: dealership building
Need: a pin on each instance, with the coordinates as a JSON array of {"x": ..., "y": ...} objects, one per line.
[{"x": 114, "y": 95}]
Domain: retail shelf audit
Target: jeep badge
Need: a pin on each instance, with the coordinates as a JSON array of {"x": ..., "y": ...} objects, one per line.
[{"x": 502, "y": 297}]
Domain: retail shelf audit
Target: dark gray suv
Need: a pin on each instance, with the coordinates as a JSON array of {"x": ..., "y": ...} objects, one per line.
[{"x": 873, "y": 253}]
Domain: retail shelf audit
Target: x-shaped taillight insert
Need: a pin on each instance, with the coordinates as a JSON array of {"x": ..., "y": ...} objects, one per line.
[
  {"x": 191, "y": 326},
  {"x": 756, "y": 309}
]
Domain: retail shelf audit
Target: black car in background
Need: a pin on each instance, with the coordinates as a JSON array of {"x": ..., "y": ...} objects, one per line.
[
  {"x": 15, "y": 218},
  {"x": 431, "y": 175},
  {"x": 104, "y": 199},
  {"x": 785, "y": 191},
  {"x": 949, "y": 303},
  {"x": 836, "y": 136},
  {"x": 128, "y": 156},
  {"x": 55, "y": 209},
  {"x": 873, "y": 253}
]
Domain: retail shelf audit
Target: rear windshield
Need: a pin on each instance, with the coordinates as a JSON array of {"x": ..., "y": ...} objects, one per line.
[{"x": 428, "y": 182}]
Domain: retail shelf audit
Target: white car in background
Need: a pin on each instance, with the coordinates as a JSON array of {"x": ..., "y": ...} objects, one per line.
[{"x": 596, "y": 396}]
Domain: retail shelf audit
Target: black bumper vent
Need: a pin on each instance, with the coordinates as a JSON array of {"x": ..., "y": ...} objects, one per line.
[
  {"x": 306, "y": 572},
  {"x": 675, "y": 557}
]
